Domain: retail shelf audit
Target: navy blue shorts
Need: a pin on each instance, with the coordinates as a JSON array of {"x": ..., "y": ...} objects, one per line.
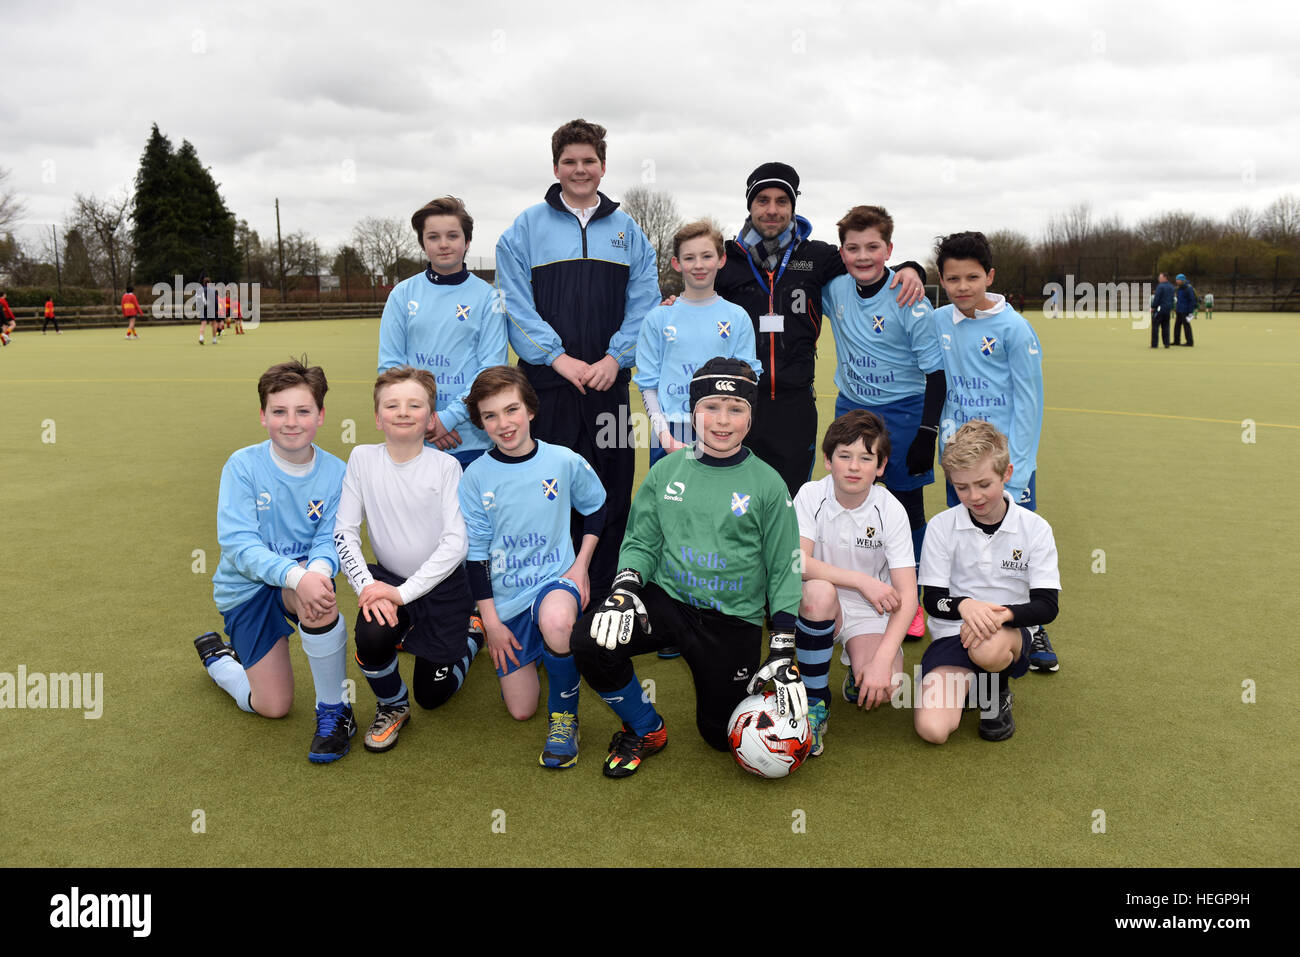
[
  {"x": 524, "y": 625},
  {"x": 434, "y": 626},
  {"x": 948, "y": 651},
  {"x": 255, "y": 626},
  {"x": 465, "y": 458},
  {"x": 902, "y": 421}
]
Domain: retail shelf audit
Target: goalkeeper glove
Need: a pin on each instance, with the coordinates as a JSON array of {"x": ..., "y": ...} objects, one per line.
[
  {"x": 611, "y": 626},
  {"x": 780, "y": 669}
]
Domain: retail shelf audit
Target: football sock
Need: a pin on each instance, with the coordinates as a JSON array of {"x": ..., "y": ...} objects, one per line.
[
  {"x": 631, "y": 704},
  {"x": 231, "y": 678},
  {"x": 814, "y": 643},
  {"x": 435, "y": 684},
  {"x": 386, "y": 682},
  {"x": 327, "y": 653},
  {"x": 562, "y": 681}
]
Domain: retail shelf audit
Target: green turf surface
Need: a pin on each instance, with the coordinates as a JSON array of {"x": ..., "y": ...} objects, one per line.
[{"x": 1142, "y": 465}]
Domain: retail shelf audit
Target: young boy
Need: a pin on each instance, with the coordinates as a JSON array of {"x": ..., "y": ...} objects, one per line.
[
  {"x": 529, "y": 584},
  {"x": 130, "y": 310},
  {"x": 859, "y": 571},
  {"x": 275, "y": 523},
  {"x": 675, "y": 340},
  {"x": 445, "y": 320},
  {"x": 416, "y": 596},
  {"x": 49, "y": 317},
  {"x": 712, "y": 541},
  {"x": 994, "y": 368},
  {"x": 577, "y": 275},
  {"x": 888, "y": 362},
  {"x": 990, "y": 576},
  {"x": 234, "y": 314}
]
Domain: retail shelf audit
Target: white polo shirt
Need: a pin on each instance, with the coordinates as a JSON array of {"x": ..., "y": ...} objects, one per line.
[
  {"x": 1000, "y": 568},
  {"x": 873, "y": 538}
]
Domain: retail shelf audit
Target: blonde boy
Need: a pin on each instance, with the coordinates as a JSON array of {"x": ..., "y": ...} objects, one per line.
[
  {"x": 676, "y": 340},
  {"x": 990, "y": 576},
  {"x": 416, "y": 596}
]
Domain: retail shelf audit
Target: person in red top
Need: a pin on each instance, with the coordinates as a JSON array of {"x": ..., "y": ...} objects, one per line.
[
  {"x": 131, "y": 309},
  {"x": 49, "y": 317},
  {"x": 7, "y": 321},
  {"x": 234, "y": 317}
]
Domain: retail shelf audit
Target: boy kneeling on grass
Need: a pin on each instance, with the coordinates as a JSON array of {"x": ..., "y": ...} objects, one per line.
[
  {"x": 416, "y": 597},
  {"x": 275, "y": 524},
  {"x": 711, "y": 542},
  {"x": 990, "y": 577}
]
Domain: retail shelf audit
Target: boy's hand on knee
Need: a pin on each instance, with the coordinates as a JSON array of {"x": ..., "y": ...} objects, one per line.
[
  {"x": 884, "y": 598},
  {"x": 380, "y": 610},
  {"x": 315, "y": 595},
  {"x": 876, "y": 684},
  {"x": 502, "y": 644},
  {"x": 612, "y": 625}
]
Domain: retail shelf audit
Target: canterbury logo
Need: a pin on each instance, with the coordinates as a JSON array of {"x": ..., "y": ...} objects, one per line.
[{"x": 724, "y": 385}]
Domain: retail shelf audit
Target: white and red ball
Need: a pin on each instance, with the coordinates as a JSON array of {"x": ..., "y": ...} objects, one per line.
[{"x": 763, "y": 742}]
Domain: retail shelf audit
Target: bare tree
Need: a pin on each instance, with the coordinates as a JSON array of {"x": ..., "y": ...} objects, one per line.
[
  {"x": 1241, "y": 223},
  {"x": 103, "y": 222},
  {"x": 1171, "y": 230},
  {"x": 11, "y": 209},
  {"x": 656, "y": 213},
  {"x": 381, "y": 243},
  {"x": 1280, "y": 222}
]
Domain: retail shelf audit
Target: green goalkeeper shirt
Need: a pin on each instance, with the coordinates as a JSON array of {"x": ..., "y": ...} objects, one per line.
[{"x": 716, "y": 536}]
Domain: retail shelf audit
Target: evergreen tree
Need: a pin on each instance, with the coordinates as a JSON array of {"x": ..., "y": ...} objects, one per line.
[{"x": 182, "y": 224}]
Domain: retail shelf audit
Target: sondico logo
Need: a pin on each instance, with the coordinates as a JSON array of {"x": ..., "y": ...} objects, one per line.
[
  {"x": 263, "y": 501},
  {"x": 674, "y": 491}
]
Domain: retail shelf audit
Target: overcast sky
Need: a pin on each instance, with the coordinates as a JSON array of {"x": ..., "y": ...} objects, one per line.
[{"x": 953, "y": 115}]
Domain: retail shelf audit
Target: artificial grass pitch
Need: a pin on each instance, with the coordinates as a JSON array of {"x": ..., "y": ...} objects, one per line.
[{"x": 1163, "y": 740}]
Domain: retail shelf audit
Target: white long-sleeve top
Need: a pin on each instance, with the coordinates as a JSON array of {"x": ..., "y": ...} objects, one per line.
[{"x": 412, "y": 513}]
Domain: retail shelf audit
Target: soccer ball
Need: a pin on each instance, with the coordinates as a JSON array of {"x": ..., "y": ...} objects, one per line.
[{"x": 765, "y": 743}]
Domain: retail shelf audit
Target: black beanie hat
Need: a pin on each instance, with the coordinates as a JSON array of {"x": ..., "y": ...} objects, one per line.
[{"x": 780, "y": 175}]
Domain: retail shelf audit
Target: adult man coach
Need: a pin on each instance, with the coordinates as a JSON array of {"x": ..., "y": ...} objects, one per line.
[
  {"x": 776, "y": 273},
  {"x": 1161, "y": 302},
  {"x": 576, "y": 277}
]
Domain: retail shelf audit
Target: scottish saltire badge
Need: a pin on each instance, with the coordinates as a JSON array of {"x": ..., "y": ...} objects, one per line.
[
  {"x": 877, "y": 323},
  {"x": 739, "y": 503},
  {"x": 724, "y": 329},
  {"x": 550, "y": 488},
  {"x": 987, "y": 344},
  {"x": 315, "y": 508},
  {"x": 462, "y": 313}
]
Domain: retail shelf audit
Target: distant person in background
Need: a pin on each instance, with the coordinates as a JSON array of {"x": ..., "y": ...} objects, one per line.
[
  {"x": 49, "y": 317},
  {"x": 1209, "y": 305},
  {"x": 234, "y": 314},
  {"x": 1184, "y": 308},
  {"x": 206, "y": 301},
  {"x": 1162, "y": 301},
  {"x": 7, "y": 321},
  {"x": 130, "y": 309}
]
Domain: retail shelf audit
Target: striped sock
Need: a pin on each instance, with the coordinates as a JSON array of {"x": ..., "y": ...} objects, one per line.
[
  {"x": 386, "y": 682},
  {"x": 814, "y": 642}
]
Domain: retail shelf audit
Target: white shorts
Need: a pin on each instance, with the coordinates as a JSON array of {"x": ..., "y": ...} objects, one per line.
[{"x": 857, "y": 620}]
